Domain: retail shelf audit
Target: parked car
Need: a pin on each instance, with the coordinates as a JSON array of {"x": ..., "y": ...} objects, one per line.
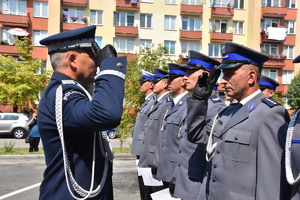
[
  {"x": 111, "y": 133},
  {"x": 14, "y": 124}
]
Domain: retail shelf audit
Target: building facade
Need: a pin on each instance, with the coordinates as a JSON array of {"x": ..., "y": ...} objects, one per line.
[{"x": 269, "y": 26}]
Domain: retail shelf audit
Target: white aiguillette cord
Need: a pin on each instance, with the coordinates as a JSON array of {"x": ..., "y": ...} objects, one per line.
[
  {"x": 288, "y": 149},
  {"x": 108, "y": 156}
]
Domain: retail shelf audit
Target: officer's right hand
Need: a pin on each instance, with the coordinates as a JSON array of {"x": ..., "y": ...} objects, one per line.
[
  {"x": 205, "y": 84},
  {"x": 108, "y": 51}
]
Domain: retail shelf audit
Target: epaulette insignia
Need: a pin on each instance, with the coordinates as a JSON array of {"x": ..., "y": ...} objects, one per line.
[
  {"x": 68, "y": 82},
  {"x": 169, "y": 99},
  {"x": 270, "y": 102},
  {"x": 215, "y": 99}
]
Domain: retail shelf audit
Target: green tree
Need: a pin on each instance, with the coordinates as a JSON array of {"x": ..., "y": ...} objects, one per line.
[
  {"x": 293, "y": 93},
  {"x": 21, "y": 82},
  {"x": 148, "y": 58}
]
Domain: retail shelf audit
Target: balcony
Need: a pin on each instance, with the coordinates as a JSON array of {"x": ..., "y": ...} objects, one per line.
[
  {"x": 9, "y": 50},
  {"x": 126, "y": 31},
  {"x": 72, "y": 26},
  {"x": 279, "y": 10},
  {"x": 191, "y": 9},
  {"x": 221, "y": 37},
  {"x": 222, "y": 11},
  {"x": 190, "y": 35},
  {"x": 128, "y": 5},
  {"x": 14, "y": 20},
  {"x": 275, "y": 63},
  {"x": 77, "y": 3},
  {"x": 272, "y": 34}
]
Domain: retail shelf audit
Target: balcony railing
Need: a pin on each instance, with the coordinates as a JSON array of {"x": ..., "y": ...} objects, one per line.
[
  {"x": 9, "y": 49},
  {"x": 191, "y": 9},
  {"x": 190, "y": 35},
  {"x": 72, "y": 26},
  {"x": 221, "y": 36},
  {"x": 126, "y": 31},
  {"x": 222, "y": 10},
  {"x": 274, "y": 10},
  {"x": 77, "y": 3},
  {"x": 14, "y": 20},
  {"x": 132, "y": 5}
]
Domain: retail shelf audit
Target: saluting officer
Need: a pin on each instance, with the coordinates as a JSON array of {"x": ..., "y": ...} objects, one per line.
[
  {"x": 146, "y": 87},
  {"x": 173, "y": 122},
  {"x": 292, "y": 150},
  {"x": 191, "y": 164},
  {"x": 70, "y": 120},
  {"x": 268, "y": 86},
  {"x": 245, "y": 145}
]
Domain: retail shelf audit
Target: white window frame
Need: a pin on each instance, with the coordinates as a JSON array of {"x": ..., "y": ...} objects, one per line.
[
  {"x": 287, "y": 76},
  {"x": 127, "y": 42},
  {"x": 289, "y": 51},
  {"x": 192, "y": 2},
  {"x": 168, "y": 45},
  {"x": 212, "y": 48},
  {"x": 217, "y": 25},
  {"x": 290, "y": 5},
  {"x": 193, "y": 23},
  {"x": 14, "y": 7},
  {"x": 146, "y": 20},
  {"x": 6, "y": 37},
  {"x": 96, "y": 17},
  {"x": 73, "y": 12},
  {"x": 146, "y": 1},
  {"x": 272, "y": 73},
  {"x": 123, "y": 19},
  {"x": 170, "y": 22},
  {"x": 269, "y": 49},
  {"x": 290, "y": 26},
  {"x": 271, "y": 3},
  {"x": 170, "y": 1},
  {"x": 145, "y": 43},
  {"x": 40, "y": 9},
  {"x": 239, "y": 4},
  {"x": 237, "y": 25},
  {"x": 220, "y": 3},
  {"x": 265, "y": 23},
  {"x": 39, "y": 35},
  {"x": 186, "y": 46}
]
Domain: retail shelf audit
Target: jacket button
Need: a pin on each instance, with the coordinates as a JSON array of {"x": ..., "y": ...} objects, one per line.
[
  {"x": 236, "y": 138},
  {"x": 120, "y": 65},
  {"x": 214, "y": 180},
  {"x": 215, "y": 165},
  {"x": 218, "y": 151}
]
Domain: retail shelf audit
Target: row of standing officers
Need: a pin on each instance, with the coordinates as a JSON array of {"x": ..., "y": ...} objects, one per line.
[{"x": 202, "y": 149}]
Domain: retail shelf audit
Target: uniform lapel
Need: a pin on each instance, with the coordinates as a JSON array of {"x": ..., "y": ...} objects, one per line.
[{"x": 177, "y": 106}]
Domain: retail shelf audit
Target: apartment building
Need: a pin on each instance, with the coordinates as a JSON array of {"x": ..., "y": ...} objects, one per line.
[{"x": 269, "y": 26}]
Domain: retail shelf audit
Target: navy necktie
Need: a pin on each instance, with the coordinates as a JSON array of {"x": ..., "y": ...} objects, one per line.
[{"x": 237, "y": 106}]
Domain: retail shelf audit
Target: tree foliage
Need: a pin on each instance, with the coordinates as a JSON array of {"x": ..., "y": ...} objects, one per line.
[
  {"x": 21, "y": 82},
  {"x": 293, "y": 93},
  {"x": 148, "y": 58}
]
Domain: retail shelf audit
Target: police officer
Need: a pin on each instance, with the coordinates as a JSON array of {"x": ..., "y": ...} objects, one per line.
[
  {"x": 245, "y": 145},
  {"x": 70, "y": 120},
  {"x": 146, "y": 87},
  {"x": 268, "y": 86},
  {"x": 292, "y": 160},
  {"x": 173, "y": 122},
  {"x": 189, "y": 172}
]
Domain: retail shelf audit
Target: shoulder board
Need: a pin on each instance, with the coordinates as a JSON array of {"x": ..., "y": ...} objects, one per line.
[
  {"x": 169, "y": 99},
  {"x": 215, "y": 99},
  {"x": 68, "y": 82},
  {"x": 270, "y": 102}
]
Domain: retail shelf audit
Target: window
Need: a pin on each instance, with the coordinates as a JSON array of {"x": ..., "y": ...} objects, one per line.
[
  {"x": 14, "y": 7},
  {"x": 239, "y": 4},
  {"x": 147, "y": 1},
  {"x": 170, "y": 46},
  {"x": 214, "y": 50},
  {"x": 40, "y": 9},
  {"x": 265, "y": 23},
  {"x": 290, "y": 27},
  {"x": 123, "y": 19},
  {"x": 238, "y": 27},
  {"x": 272, "y": 73},
  {"x": 288, "y": 50},
  {"x": 287, "y": 76},
  {"x": 145, "y": 43},
  {"x": 71, "y": 12},
  {"x": 186, "y": 46},
  {"x": 123, "y": 45},
  {"x": 96, "y": 17},
  {"x": 39, "y": 35},
  {"x": 7, "y": 37},
  {"x": 99, "y": 41},
  {"x": 192, "y": 2},
  {"x": 269, "y": 49},
  {"x": 285, "y": 102},
  {"x": 145, "y": 21},
  {"x": 191, "y": 24},
  {"x": 170, "y": 1},
  {"x": 170, "y": 22},
  {"x": 291, "y": 3},
  {"x": 221, "y": 3},
  {"x": 219, "y": 26},
  {"x": 271, "y": 3}
]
